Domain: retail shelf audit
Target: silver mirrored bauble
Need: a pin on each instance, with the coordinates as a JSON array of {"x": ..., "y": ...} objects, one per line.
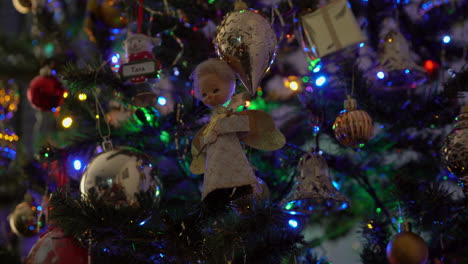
[{"x": 117, "y": 176}]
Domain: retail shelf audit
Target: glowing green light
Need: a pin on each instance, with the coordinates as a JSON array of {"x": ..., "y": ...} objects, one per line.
[
  {"x": 46, "y": 155},
  {"x": 211, "y": 2},
  {"x": 165, "y": 137},
  {"x": 456, "y": 118},
  {"x": 242, "y": 11},
  {"x": 158, "y": 191},
  {"x": 378, "y": 210},
  {"x": 289, "y": 206},
  {"x": 49, "y": 50},
  {"x": 305, "y": 78},
  {"x": 362, "y": 145},
  {"x": 260, "y": 93},
  {"x": 432, "y": 126},
  {"x": 313, "y": 64},
  {"x": 445, "y": 178}
]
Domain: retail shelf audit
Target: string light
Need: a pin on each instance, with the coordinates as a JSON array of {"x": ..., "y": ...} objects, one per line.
[
  {"x": 446, "y": 39},
  {"x": 293, "y": 223},
  {"x": 77, "y": 164},
  {"x": 162, "y": 100},
  {"x": 294, "y": 86},
  {"x": 293, "y": 82},
  {"x": 320, "y": 81},
  {"x": 65, "y": 94},
  {"x": 82, "y": 97},
  {"x": 380, "y": 75},
  {"x": 67, "y": 122}
]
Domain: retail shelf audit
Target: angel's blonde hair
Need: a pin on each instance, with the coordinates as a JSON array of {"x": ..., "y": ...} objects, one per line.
[{"x": 215, "y": 66}]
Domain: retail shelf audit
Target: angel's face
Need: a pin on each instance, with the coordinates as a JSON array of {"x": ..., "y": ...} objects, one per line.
[{"x": 214, "y": 90}]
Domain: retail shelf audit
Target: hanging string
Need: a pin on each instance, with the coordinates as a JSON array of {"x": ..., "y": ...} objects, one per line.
[
  {"x": 281, "y": 20},
  {"x": 166, "y": 12},
  {"x": 140, "y": 16},
  {"x": 166, "y": 7},
  {"x": 181, "y": 46},
  {"x": 107, "y": 145},
  {"x": 150, "y": 25}
]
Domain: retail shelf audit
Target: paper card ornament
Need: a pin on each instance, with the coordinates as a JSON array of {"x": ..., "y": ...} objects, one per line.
[
  {"x": 141, "y": 63},
  {"x": 330, "y": 29}
]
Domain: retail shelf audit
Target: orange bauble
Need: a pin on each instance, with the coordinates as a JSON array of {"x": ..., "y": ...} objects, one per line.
[
  {"x": 407, "y": 248},
  {"x": 353, "y": 128}
]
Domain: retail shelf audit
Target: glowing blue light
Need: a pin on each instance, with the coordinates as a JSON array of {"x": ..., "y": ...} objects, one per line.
[
  {"x": 380, "y": 75},
  {"x": 316, "y": 129},
  {"x": 105, "y": 250},
  {"x": 162, "y": 255},
  {"x": 115, "y": 30},
  {"x": 142, "y": 223},
  {"x": 162, "y": 100},
  {"x": 176, "y": 72},
  {"x": 293, "y": 223},
  {"x": 446, "y": 39},
  {"x": 292, "y": 213},
  {"x": 344, "y": 206},
  {"x": 320, "y": 81},
  {"x": 317, "y": 68},
  {"x": 31, "y": 228},
  {"x": 53, "y": 109},
  {"x": 39, "y": 208},
  {"x": 115, "y": 59},
  {"x": 337, "y": 186},
  {"x": 407, "y": 71},
  {"x": 77, "y": 164},
  {"x": 54, "y": 72},
  {"x": 361, "y": 44}
]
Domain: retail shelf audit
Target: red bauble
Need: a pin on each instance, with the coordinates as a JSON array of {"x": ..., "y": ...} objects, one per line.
[
  {"x": 54, "y": 248},
  {"x": 45, "y": 93}
]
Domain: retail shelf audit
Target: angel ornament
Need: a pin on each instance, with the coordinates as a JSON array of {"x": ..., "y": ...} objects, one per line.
[{"x": 216, "y": 148}]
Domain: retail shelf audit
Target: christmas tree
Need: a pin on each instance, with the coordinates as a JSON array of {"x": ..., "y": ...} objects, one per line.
[{"x": 206, "y": 131}]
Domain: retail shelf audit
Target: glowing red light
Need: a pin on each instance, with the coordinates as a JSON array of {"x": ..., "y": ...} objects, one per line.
[{"x": 431, "y": 66}]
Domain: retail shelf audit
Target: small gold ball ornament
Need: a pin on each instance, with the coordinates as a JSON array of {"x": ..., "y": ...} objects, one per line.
[
  {"x": 455, "y": 149},
  {"x": 353, "y": 127},
  {"x": 24, "y": 221},
  {"x": 407, "y": 248}
]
